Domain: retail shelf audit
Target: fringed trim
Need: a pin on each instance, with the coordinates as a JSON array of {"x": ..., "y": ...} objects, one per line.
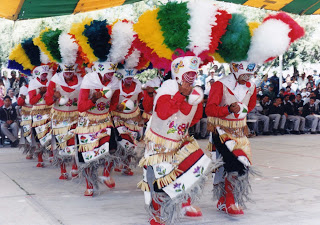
[
  {"x": 131, "y": 127},
  {"x": 94, "y": 117},
  {"x": 146, "y": 116},
  {"x": 90, "y": 146},
  {"x": 26, "y": 134},
  {"x": 167, "y": 143},
  {"x": 26, "y": 109},
  {"x": 237, "y": 128},
  {"x": 170, "y": 157},
  {"x": 62, "y": 130},
  {"x": 143, "y": 186},
  {"x": 44, "y": 133},
  {"x": 94, "y": 128},
  {"x": 169, "y": 178},
  {"x": 40, "y": 109},
  {"x": 127, "y": 115},
  {"x": 39, "y": 123},
  {"x": 26, "y": 122},
  {"x": 62, "y": 115}
]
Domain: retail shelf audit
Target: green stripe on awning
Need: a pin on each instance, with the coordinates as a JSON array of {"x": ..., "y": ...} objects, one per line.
[
  {"x": 32, "y": 9},
  {"x": 299, "y": 6}
]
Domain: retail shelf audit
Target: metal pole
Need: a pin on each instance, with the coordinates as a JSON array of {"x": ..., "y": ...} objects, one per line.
[{"x": 280, "y": 68}]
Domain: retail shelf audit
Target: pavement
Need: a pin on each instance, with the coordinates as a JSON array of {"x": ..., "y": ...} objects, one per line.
[{"x": 287, "y": 192}]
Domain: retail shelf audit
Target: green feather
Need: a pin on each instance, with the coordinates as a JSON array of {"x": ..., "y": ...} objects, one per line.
[
  {"x": 51, "y": 40},
  {"x": 173, "y": 18},
  {"x": 235, "y": 42}
]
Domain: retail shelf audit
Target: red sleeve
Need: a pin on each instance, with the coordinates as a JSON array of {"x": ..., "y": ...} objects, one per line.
[
  {"x": 20, "y": 101},
  {"x": 50, "y": 92},
  {"x": 215, "y": 96},
  {"x": 147, "y": 102},
  {"x": 140, "y": 96},
  {"x": 253, "y": 101},
  {"x": 34, "y": 97},
  {"x": 114, "y": 101},
  {"x": 198, "y": 115},
  {"x": 84, "y": 103},
  {"x": 167, "y": 105}
]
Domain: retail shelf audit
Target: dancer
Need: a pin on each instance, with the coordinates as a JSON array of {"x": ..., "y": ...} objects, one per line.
[
  {"x": 62, "y": 95},
  {"x": 233, "y": 96}
]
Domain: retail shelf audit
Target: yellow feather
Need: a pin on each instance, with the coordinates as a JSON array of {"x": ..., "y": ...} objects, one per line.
[
  {"x": 18, "y": 54},
  {"x": 37, "y": 41},
  {"x": 218, "y": 57},
  {"x": 253, "y": 26},
  {"x": 77, "y": 30},
  {"x": 149, "y": 31}
]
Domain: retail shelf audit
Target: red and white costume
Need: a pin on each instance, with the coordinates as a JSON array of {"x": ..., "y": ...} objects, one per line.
[
  {"x": 64, "y": 117},
  {"x": 40, "y": 111},
  {"x": 95, "y": 124},
  {"x": 174, "y": 165}
]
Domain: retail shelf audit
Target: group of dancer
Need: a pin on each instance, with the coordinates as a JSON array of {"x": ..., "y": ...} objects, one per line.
[{"x": 81, "y": 106}]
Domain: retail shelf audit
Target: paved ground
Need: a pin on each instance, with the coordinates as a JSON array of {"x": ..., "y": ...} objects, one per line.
[{"x": 287, "y": 193}]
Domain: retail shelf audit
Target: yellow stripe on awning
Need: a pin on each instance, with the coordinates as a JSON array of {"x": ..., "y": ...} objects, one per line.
[
  {"x": 268, "y": 4},
  {"x": 10, "y": 9},
  {"x": 91, "y": 5}
]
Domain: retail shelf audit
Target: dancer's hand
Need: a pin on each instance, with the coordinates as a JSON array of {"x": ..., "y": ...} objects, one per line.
[
  {"x": 185, "y": 88},
  {"x": 96, "y": 96},
  {"x": 120, "y": 107},
  {"x": 56, "y": 95},
  {"x": 234, "y": 108},
  {"x": 23, "y": 97},
  {"x": 43, "y": 90}
]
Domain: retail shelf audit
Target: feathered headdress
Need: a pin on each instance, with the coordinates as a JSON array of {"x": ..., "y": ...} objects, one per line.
[
  {"x": 180, "y": 29},
  {"x": 25, "y": 57},
  {"x": 59, "y": 48},
  {"x": 254, "y": 43}
]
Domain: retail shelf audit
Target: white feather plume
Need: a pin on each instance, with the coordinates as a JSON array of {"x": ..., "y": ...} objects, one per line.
[
  {"x": 121, "y": 38},
  {"x": 202, "y": 18},
  {"x": 44, "y": 58},
  {"x": 270, "y": 39},
  {"x": 68, "y": 49},
  {"x": 132, "y": 60}
]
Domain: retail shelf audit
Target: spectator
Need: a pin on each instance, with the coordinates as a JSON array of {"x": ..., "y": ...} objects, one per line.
[
  {"x": 311, "y": 81},
  {"x": 6, "y": 81},
  {"x": 12, "y": 96},
  {"x": 317, "y": 91},
  {"x": 309, "y": 111},
  {"x": 274, "y": 80},
  {"x": 294, "y": 84},
  {"x": 2, "y": 89},
  {"x": 265, "y": 83},
  {"x": 299, "y": 100},
  {"x": 288, "y": 91},
  {"x": 302, "y": 81},
  {"x": 256, "y": 79},
  {"x": 270, "y": 92},
  {"x": 208, "y": 79},
  {"x": 202, "y": 77},
  {"x": 8, "y": 118},
  {"x": 286, "y": 99},
  {"x": 281, "y": 93},
  {"x": 294, "y": 115},
  {"x": 265, "y": 103},
  {"x": 276, "y": 114},
  {"x": 257, "y": 114}
]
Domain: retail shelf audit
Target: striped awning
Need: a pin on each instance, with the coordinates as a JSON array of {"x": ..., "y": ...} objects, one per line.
[
  {"x": 301, "y": 7},
  {"x": 31, "y": 9}
]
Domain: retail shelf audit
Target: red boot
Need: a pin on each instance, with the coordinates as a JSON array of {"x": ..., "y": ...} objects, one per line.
[
  {"x": 29, "y": 157},
  {"x": 74, "y": 170},
  {"x": 127, "y": 171},
  {"x": 63, "y": 175},
  {"x": 156, "y": 219},
  {"x": 89, "y": 190},
  {"x": 221, "y": 205},
  {"x": 106, "y": 178},
  {"x": 40, "y": 160},
  {"x": 231, "y": 207},
  {"x": 190, "y": 210}
]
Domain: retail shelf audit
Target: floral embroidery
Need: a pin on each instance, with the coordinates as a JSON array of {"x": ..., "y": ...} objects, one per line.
[
  {"x": 68, "y": 150},
  {"x": 177, "y": 186},
  {"x": 198, "y": 171},
  {"x": 39, "y": 116},
  {"x": 69, "y": 103},
  {"x": 75, "y": 102},
  {"x": 83, "y": 139},
  {"x": 93, "y": 137},
  {"x": 100, "y": 67},
  {"x": 101, "y": 106},
  {"x": 89, "y": 157},
  {"x": 181, "y": 129},
  {"x": 160, "y": 171}
]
